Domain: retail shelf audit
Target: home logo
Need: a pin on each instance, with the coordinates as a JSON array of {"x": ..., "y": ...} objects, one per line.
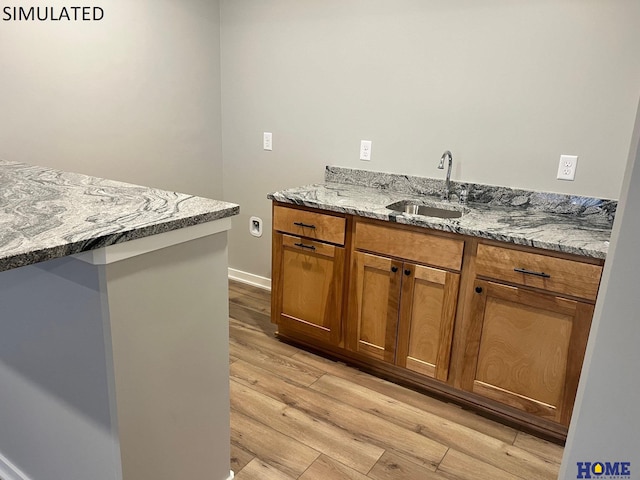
[{"x": 604, "y": 470}]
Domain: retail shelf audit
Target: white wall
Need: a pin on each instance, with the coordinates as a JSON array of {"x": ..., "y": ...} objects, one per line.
[
  {"x": 506, "y": 86},
  {"x": 606, "y": 426},
  {"x": 134, "y": 97}
]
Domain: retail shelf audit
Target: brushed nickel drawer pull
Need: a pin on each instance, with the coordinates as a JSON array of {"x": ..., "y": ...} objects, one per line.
[
  {"x": 304, "y": 225},
  {"x": 529, "y": 272},
  {"x": 302, "y": 245}
]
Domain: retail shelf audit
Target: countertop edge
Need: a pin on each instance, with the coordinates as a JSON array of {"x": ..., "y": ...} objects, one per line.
[{"x": 66, "y": 249}]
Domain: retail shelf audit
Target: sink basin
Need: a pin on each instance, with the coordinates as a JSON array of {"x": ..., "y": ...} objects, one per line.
[{"x": 417, "y": 208}]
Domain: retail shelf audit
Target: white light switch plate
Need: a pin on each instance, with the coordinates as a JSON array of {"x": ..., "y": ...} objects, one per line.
[{"x": 267, "y": 141}]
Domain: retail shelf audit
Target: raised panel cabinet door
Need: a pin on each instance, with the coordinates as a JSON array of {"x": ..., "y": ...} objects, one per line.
[
  {"x": 309, "y": 285},
  {"x": 530, "y": 348},
  {"x": 373, "y": 310},
  {"x": 427, "y": 312}
]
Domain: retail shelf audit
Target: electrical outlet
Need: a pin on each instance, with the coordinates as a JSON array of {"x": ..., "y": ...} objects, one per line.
[
  {"x": 567, "y": 167},
  {"x": 267, "y": 143},
  {"x": 365, "y": 150}
]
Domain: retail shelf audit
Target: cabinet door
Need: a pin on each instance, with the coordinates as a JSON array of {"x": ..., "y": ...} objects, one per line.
[
  {"x": 308, "y": 286},
  {"x": 427, "y": 311},
  {"x": 373, "y": 312},
  {"x": 527, "y": 348}
]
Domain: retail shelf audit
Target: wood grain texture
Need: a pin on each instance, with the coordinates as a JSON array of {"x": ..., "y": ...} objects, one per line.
[
  {"x": 458, "y": 465},
  {"x": 278, "y": 450},
  {"x": 577, "y": 348},
  {"x": 258, "y": 469},
  {"x": 407, "y": 244},
  {"x": 543, "y": 449},
  {"x": 528, "y": 348},
  {"x": 394, "y": 467},
  {"x": 239, "y": 457},
  {"x": 575, "y": 278},
  {"x": 361, "y": 425},
  {"x": 344, "y": 416},
  {"x": 524, "y": 349},
  {"x": 297, "y": 424},
  {"x": 427, "y": 312},
  {"x": 309, "y": 287},
  {"x": 326, "y": 468},
  {"x": 373, "y": 311},
  {"x": 243, "y": 347},
  {"x": 321, "y": 226},
  {"x": 380, "y": 388},
  {"x": 483, "y": 447}
]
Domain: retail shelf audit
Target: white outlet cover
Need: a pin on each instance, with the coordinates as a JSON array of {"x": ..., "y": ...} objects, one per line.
[
  {"x": 365, "y": 150},
  {"x": 567, "y": 167}
]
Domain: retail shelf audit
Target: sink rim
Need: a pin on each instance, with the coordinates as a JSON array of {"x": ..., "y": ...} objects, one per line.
[{"x": 451, "y": 211}]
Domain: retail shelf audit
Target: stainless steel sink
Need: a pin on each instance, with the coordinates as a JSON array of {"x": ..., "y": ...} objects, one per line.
[{"x": 417, "y": 208}]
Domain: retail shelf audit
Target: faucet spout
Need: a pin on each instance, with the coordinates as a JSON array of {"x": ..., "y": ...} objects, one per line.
[{"x": 447, "y": 184}]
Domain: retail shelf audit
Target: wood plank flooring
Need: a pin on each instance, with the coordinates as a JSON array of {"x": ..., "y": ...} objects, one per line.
[{"x": 295, "y": 415}]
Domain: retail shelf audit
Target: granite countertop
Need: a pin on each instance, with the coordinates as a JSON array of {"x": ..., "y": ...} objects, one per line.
[
  {"x": 47, "y": 213},
  {"x": 564, "y": 223}
]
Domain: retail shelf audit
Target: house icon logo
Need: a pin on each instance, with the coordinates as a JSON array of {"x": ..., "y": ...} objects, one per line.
[{"x": 604, "y": 470}]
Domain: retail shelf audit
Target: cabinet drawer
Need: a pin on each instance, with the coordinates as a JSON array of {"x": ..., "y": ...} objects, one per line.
[
  {"x": 310, "y": 247},
  {"x": 410, "y": 245},
  {"x": 309, "y": 224},
  {"x": 554, "y": 274}
]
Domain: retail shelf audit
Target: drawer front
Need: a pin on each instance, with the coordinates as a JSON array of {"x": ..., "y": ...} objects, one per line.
[
  {"x": 318, "y": 226},
  {"x": 410, "y": 245},
  {"x": 308, "y": 247},
  {"x": 539, "y": 271}
]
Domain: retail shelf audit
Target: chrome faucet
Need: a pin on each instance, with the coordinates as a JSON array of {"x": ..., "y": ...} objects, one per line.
[{"x": 447, "y": 183}]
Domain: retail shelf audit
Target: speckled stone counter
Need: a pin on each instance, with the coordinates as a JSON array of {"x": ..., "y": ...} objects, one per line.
[
  {"x": 564, "y": 223},
  {"x": 46, "y": 213}
]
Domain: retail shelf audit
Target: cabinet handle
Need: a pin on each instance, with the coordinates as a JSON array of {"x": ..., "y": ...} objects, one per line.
[
  {"x": 478, "y": 289},
  {"x": 407, "y": 272},
  {"x": 394, "y": 269},
  {"x": 302, "y": 245},
  {"x": 304, "y": 225},
  {"x": 529, "y": 272}
]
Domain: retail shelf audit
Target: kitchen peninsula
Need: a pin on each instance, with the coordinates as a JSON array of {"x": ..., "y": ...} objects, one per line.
[{"x": 113, "y": 329}]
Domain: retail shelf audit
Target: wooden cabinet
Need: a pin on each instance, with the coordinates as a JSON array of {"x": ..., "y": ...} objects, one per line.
[
  {"x": 308, "y": 273},
  {"x": 494, "y": 326},
  {"x": 402, "y": 312},
  {"x": 529, "y": 320}
]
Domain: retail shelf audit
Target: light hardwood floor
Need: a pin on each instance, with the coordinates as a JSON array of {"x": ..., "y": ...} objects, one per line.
[{"x": 295, "y": 415}]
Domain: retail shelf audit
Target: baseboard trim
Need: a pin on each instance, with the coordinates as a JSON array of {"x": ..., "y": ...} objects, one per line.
[
  {"x": 8, "y": 471},
  {"x": 250, "y": 279},
  {"x": 231, "y": 475}
]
